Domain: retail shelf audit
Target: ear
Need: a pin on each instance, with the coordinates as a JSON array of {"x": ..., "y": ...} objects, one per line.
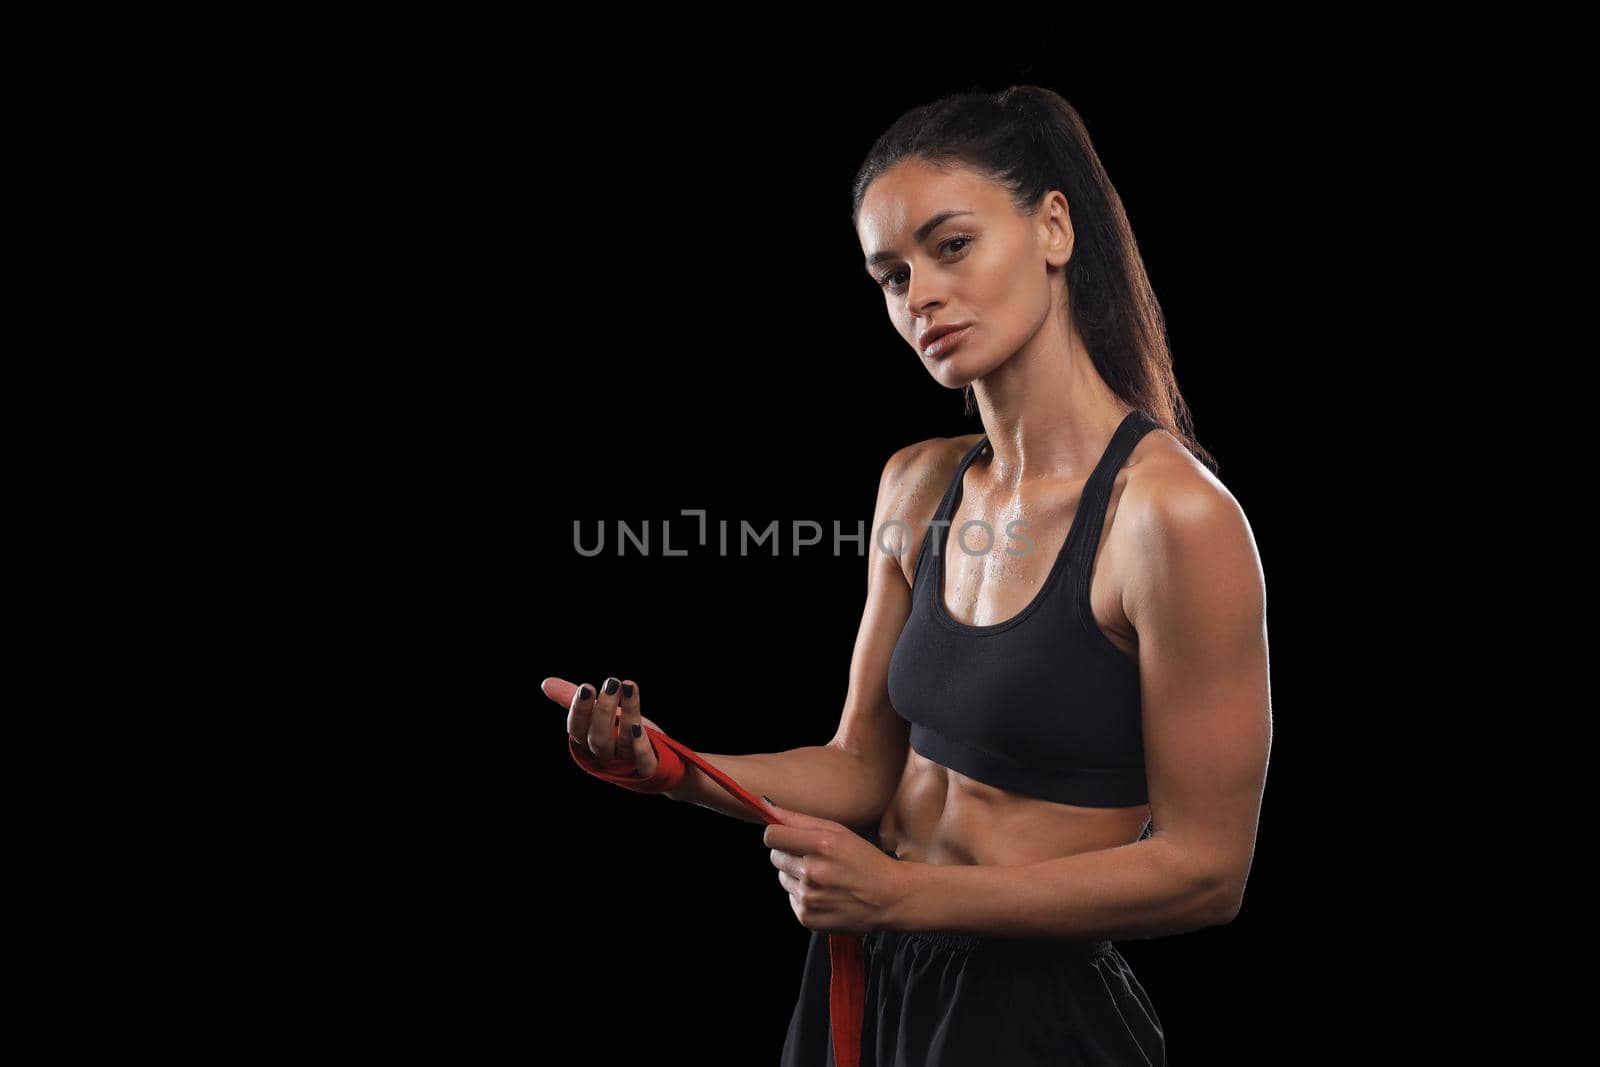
[{"x": 1055, "y": 220}]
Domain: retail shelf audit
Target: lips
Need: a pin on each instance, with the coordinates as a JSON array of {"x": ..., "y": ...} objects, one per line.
[
  {"x": 937, "y": 343},
  {"x": 933, "y": 333}
]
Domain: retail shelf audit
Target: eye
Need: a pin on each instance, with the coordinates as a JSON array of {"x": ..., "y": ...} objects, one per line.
[{"x": 963, "y": 240}]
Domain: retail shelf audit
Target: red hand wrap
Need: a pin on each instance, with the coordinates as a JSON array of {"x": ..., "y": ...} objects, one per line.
[
  {"x": 670, "y": 771},
  {"x": 847, "y": 988}
]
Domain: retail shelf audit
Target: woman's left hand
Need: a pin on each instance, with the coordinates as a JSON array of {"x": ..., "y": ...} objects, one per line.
[{"x": 837, "y": 880}]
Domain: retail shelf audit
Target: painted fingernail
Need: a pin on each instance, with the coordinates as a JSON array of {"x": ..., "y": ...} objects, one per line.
[
  {"x": 627, "y": 689},
  {"x": 611, "y": 686},
  {"x": 583, "y": 692},
  {"x": 637, "y": 729}
]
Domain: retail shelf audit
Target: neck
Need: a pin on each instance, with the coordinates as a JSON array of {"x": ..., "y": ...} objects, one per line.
[{"x": 1046, "y": 414}]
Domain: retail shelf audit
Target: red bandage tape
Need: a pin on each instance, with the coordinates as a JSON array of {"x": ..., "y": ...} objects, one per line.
[
  {"x": 670, "y": 770},
  {"x": 847, "y": 990}
]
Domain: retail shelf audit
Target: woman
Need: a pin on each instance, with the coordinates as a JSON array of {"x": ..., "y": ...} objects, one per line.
[{"x": 1058, "y": 735}]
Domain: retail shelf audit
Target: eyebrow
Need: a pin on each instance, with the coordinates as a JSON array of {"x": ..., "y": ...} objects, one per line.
[{"x": 921, "y": 235}]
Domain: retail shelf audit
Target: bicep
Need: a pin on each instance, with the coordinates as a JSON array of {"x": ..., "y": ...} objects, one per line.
[
  {"x": 869, "y": 729},
  {"x": 1198, "y": 603}
]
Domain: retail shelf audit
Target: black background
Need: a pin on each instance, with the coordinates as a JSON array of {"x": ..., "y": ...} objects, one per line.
[{"x": 647, "y": 297}]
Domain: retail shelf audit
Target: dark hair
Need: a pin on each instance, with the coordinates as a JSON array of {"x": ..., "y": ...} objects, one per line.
[{"x": 1031, "y": 140}]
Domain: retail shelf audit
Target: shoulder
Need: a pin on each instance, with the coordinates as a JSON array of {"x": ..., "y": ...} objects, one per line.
[
  {"x": 915, "y": 466},
  {"x": 1168, "y": 486},
  {"x": 1180, "y": 519},
  {"x": 915, "y": 477},
  {"x": 913, "y": 481}
]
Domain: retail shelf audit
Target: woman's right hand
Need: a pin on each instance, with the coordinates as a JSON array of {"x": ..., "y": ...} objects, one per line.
[{"x": 607, "y": 721}]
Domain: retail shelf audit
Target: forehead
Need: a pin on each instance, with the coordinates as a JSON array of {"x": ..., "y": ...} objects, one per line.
[{"x": 913, "y": 191}]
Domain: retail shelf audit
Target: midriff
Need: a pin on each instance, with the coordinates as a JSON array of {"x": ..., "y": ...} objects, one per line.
[{"x": 941, "y": 816}]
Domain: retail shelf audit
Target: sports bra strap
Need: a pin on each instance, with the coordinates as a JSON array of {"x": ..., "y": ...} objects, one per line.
[
  {"x": 1091, "y": 515},
  {"x": 1080, "y": 547}
]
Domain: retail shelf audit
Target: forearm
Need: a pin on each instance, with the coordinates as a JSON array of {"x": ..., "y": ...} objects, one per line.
[
  {"x": 820, "y": 780},
  {"x": 1145, "y": 889}
]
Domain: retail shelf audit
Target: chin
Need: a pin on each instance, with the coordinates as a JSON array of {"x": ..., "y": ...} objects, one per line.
[{"x": 953, "y": 371}]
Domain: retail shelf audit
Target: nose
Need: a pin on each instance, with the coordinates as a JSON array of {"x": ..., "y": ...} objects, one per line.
[{"x": 923, "y": 296}]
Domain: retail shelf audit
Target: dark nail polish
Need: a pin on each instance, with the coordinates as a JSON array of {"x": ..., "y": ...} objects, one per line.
[
  {"x": 627, "y": 689},
  {"x": 637, "y": 729},
  {"x": 611, "y": 686},
  {"x": 583, "y": 692}
]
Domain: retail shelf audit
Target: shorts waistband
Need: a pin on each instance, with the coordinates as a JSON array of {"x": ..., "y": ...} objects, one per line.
[{"x": 953, "y": 941}]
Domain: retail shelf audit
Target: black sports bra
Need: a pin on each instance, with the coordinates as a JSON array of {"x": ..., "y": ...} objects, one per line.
[{"x": 1042, "y": 703}]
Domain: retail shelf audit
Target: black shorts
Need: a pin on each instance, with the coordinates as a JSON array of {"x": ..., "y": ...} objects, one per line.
[{"x": 956, "y": 1000}]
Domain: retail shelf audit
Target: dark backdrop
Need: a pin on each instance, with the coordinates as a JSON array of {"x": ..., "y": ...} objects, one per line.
[{"x": 648, "y": 298}]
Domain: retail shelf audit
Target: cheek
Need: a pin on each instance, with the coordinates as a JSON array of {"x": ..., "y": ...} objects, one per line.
[{"x": 1019, "y": 303}]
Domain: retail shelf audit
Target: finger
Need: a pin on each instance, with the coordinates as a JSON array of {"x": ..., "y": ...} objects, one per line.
[
  {"x": 603, "y": 723},
  {"x": 801, "y": 819},
  {"x": 580, "y": 713},
  {"x": 558, "y": 689},
  {"x": 786, "y": 862},
  {"x": 796, "y": 839},
  {"x": 566, "y": 694},
  {"x": 633, "y": 735}
]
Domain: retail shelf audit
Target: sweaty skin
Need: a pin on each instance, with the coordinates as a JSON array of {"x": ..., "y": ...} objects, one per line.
[
  {"x": 941, "y": 816},
  {"x": 1176, "y": 585}
]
